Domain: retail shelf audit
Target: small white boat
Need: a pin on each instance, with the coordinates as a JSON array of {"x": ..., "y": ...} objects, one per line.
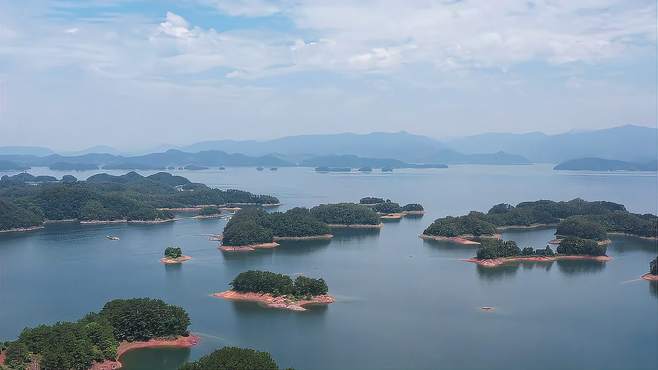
[{"x": 112, "y": 237}]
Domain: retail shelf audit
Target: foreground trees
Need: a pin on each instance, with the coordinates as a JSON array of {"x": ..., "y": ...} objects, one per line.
[
  {"x": 278, "y": 284},
  {"x": 96, "y": 337},
  {"x": 234, "y": 358}
]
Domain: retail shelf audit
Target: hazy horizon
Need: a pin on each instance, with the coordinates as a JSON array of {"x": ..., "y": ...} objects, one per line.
[{"x": 138, "y": 74}]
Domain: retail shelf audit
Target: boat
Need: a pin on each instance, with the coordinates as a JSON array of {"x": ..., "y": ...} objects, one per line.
[{"x": 111, "y": 237}]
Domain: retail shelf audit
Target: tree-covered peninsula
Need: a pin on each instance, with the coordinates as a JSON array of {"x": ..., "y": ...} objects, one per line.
[
  {"x": 234, "y": 358},
  {"x": 346, "y": 215},
  {"x": 254, "y": 228},
  {"x": 27, "y": 201},
  {"x": 277, "y": 290},
  {"x": 577, "y": 218},
  {"x": 100, "y": 337}
]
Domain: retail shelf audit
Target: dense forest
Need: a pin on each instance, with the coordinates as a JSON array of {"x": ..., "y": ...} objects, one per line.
[
  {"x": 96, "y": 337},
  {"x": 26, "y": 200},
  {"x": 387, "y": 207},
  {"x": 577, "y": 217},
  {"x": 210, "y": 211},
  {"x": 581, "y": 247},
  {"x": 653, "y": 266},
  {"x": 345, "y": 214},
  {"x": 496, "y": 248},
  {"x": 234, "y": 358},
  {"x": 173, "y": 252},
  {"x": 278, "y": 284}
]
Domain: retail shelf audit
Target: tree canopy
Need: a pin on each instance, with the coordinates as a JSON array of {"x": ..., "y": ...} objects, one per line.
[
  {"x": 653, "y": 266},
  {"x": 472, "y": 224},
  {"x": 173, "y": 252},
  {"x": 233, "y": 358},
  {"x": 345, "y": 214},
  {"x": 254, "y": 281},
  {"x": 579, "y": 246}
]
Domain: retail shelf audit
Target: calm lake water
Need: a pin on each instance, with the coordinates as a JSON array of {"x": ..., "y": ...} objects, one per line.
[{"x": 402, "y": 303}]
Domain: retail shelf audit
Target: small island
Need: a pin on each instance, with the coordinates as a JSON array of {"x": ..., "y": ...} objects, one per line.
[
  {"x": 98, "y": 340},
  {"x": 466, "y": 230},
  {"x": 495, "y": 252},
  {"x": 277, "y": 290},
  {"x": 253, "y": 228},
  {"x": 174, "y": 255},
  {"x": 392, "y": 210},
  {"x": 209, "y": 212},
  {"x": 28, "y": 202},
  {"x": 234, "y": 358},
  {"x": 652, "y": 275}
]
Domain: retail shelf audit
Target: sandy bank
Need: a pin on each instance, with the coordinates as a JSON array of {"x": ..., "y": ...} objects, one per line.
[
  {"x": 461, "y": 239},
  {"x": 21, "y": 229},
  {"x": 172, "y": 261},
  {"x": 413, "y": 213},
  {"x": 282, "y": 302},
  {"x": 391, "y": 216},
  {"x": 650, "y": 277},
  {"x": 248, "y": 247},
  {"x": 501, "y": 261},
  {"x": 180, "y": 342},
  {"x": 310, "y": 237},
  {"x": 356, "y": 226},
  {"x": 205, "y": 217}
]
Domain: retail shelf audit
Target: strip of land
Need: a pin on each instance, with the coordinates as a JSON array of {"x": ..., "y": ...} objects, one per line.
[{"x": 281, "y": 302}]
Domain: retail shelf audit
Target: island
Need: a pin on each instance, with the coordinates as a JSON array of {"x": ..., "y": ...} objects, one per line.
[
  {"x": 277, "y": 290},
  {"x": 371, "y": 200},
  {"x": 209, "y": 212},
  {"x": 347, "y": 215},
  {"x": 413, "y": 209},
  {"x": 99, "y": 339},
  {"x": 252, "y": 228},
  {"x": 365, "y": 169},
  {"x": 234, "y": 358},
  {"x": 27, "y": 202},
  {"x": 578, "y": 218},
  {"x": 496, "y": 252},
  {"x": 333, "y": 169},
  {"x": 600, "y": 164},
  {"x": 391, "y": 210},
  {"x": 652, "y": 275},
  {"x": 174, "y": 255},
  {"x": 194, "y": 167}
]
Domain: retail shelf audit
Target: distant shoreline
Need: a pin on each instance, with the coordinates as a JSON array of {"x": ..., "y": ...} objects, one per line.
[
  {"x": 464, "y": 239},
  {"x": 310, "y": 237},
  {"x": 356, "y": 226},
  {"x": 650, "y": 277},
  {"x": 22, "y": 229},
  {"x": 495, "y": 262},
  {"x": 248, "y": 247}
]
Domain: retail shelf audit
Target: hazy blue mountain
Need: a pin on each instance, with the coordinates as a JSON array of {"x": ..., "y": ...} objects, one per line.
[
  {"x": 600, "y": 164},
  {"x": 25, "y": 150},
  {"x": 98, "y": 149},
  {"x": 12, "y": 166},
  {"x": 353, "y": 161},
  {"x": 499, "y": 158},
  {"x": 627, "y": 143}
]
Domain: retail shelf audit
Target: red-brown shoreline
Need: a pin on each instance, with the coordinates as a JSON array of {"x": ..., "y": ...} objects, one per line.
[
  {"x": 248, "y": 247},
  {"x": 271, "y": 301},
  {"x": 461, "y": 239},
  {"x": 310, "y": 237},
  {"x": 180, "y": 342},
  {"x": 356, "y": 226},
  {"x": 650, "y": 277},
  {"x": 495, "y": 262},
  {"x": 173, "y": 261}
]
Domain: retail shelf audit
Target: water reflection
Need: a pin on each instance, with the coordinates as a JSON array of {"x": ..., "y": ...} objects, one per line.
[
  {"x": 580, "y": 267},
  {"x": 653, "y": 288},
  {"x": 155, "y": 358},
  {"x": 627, "y": 244},
  {"x": 497, "y": 273},
  {"x": 358, "y": 234},
  {"x": 300, "y": 247}
]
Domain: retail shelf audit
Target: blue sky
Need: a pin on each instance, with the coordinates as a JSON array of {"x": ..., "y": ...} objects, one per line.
[{"x": 134, "y": 74}]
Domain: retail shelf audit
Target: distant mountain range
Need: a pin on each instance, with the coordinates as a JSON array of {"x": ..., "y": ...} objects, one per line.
[
  {"x": 599, "y": 164},
  {"x": 400, "y": 149}
]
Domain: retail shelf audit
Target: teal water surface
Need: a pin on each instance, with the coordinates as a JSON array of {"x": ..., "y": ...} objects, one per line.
[{"x": 402, "y": 303}]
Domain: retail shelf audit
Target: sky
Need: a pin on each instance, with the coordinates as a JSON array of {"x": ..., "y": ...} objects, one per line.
[{"x": 134, "y": 74}]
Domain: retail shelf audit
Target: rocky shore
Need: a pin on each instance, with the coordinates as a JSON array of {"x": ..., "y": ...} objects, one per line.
[
  {"x": 281, "y": 302},
  {"x": 501, "y": 261},
  {"x": 247, "y": 248}
]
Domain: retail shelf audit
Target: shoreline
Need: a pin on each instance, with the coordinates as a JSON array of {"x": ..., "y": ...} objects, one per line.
[
  {"x": 526, "y": 227},
  {"x": 465, "y": 239},
  {"x": 22, "y": 229},
  {"x": 310, "y": 237},
  {"x": 649, "y": 238},
  {"x": 650, "y": 277},
  {"x": 124, "y": 221},
  {"x": 172, "y": 261},
  {"x": 495, "y": 262},
  {"x": 356, "y": 226},
  {"x": 271, "y": 301},
  {"x": 413, "y": 213},
  {"x": 124, "y": 347},
  {"x": 205, "y": 217},
  {"x": 248, "y": 247},
  {"x": 392, "y": 216}
]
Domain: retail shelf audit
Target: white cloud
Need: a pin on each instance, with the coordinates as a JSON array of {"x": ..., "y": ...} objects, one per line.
[{"x": 246, "y": 8}]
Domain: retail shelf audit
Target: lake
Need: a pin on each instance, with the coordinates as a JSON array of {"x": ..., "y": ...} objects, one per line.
[{"x": 402, "y": 303}]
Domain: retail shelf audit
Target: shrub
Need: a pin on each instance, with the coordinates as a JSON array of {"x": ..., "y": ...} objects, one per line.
[{"x": 579, "y": 246}]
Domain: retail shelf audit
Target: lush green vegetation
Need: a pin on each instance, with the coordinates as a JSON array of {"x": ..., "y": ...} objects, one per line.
[
  {"x": 371, "y": 200},
  {"x": 95, "y": 338},
  {"x": 345, "y": 214},
  {"x": 173, "y": 252},
  {"x": 234, "y": 358},
  {"x": 278, "y": 284},
  {"x": 296, "y": 222},
  {"x": 412, "y": 207},
  {"x": 576, "y": 217},
  {"x": 581, "y": 247},
  {"x": 105, "y": 197},
  {"x": 387, "y": 207},
  {"x": 581, "y": 227},
  {"x": 210, "y": 211},
  {"x": 474, "y": 223},
  {"x": 653, "y": 266},
  {"x": 496, "y": 248}
]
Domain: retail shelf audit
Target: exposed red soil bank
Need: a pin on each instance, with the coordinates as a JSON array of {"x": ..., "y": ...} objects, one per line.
[
  {"x": 247, "y": 248},
  {"x": 281, "y": 302},
  {"x": 180, "y": 342},
  {"x": 171, "y": 261},
  {"x": 452, "y": 239},
  {"x": 500, "y": 261},
  {"x": 311, "y": 237},
  {"x": 650, "y": 277}
]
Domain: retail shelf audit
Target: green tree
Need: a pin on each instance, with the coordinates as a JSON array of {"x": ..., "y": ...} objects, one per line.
[{"x": 233, "y": 358}]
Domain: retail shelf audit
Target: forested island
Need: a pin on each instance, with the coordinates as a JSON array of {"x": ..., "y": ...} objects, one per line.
[
  {"x": 348, "y": 215},
  {"x": 209, "y": 212},
  {"x": 391, "y": 210},
  {"x": 652, "y": 275},
  {"x": 234, "y": 358},
  {"x": 253, "y": 228},
  {"x": 98, "y": 340},
  {"x": 27, "y": 201},
  {"x": 577, "y": 218},
  {"x": 495, "y": 252},
  {"x": 277, "y": 290},
  {"x": 174, "y": 255}
]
